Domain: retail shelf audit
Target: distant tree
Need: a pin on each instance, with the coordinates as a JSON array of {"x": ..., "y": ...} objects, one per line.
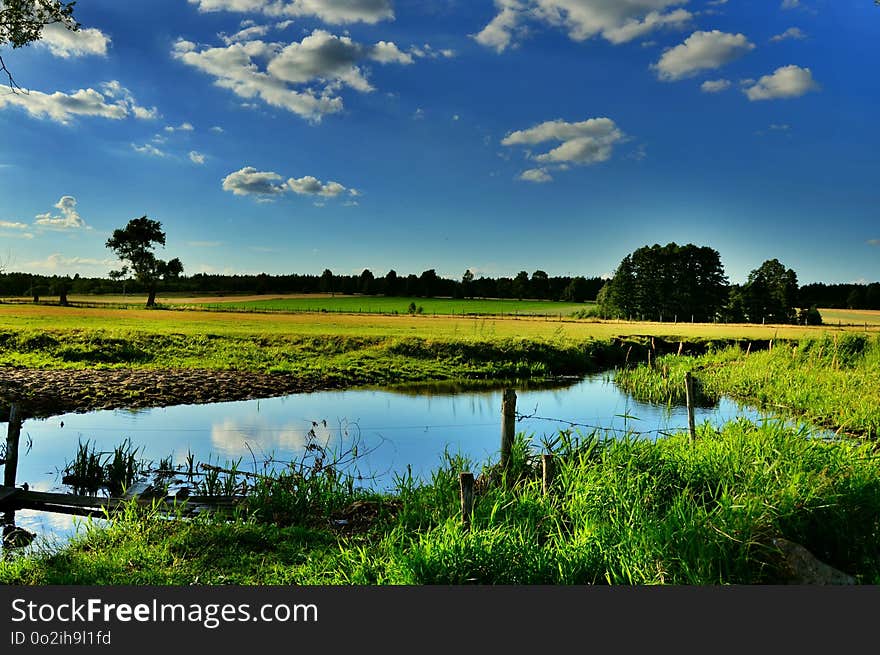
[
  {"x": 61, "y": 286},
  {"x": 134, "y": 245},
  {"x": 467, "y": 284},
  {"x": 771, "y": 294},
  {"x": 521, "y": 285},
  {"x": 366, "y": 282},
  {"x": 667, "y": 282},
  {"x": 22, "y": 22},
  {"x": 540, "y": 284},
  {"x": 428, "y": 283},
  {"x": 326, "y": 283},
  {"x": 578, "y": 290},
  {"x": 391, "y": 284}
]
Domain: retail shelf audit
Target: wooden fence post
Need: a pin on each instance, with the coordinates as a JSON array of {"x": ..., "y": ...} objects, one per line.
[
  {"x": 689, "y": 393},
  {"x": 508, "y": 426},
  {"x": 466, "y": 487},
  {"x": 547, "y": 472},
  {"x": 10, "y": 468}
]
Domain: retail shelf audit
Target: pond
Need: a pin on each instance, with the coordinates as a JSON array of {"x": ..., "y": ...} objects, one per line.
[{"x": 394, "y": 429}]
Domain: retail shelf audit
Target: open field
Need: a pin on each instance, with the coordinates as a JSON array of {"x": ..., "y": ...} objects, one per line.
[
  {"x": 52, "y": 318},
  {"x": 324, "y": 302},
  {"x": 850, "y": 316}
]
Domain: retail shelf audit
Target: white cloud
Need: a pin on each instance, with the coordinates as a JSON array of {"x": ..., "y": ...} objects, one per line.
[
  {"x": 537, "y": 175},
  {"x": 68, "y": 220},
  {"x": 715, "y": 86},
  {"x": 11, "y": 225},
  {"x": 588, "y": 142},
  {"x": 250, "y": 182},
  {"x": 790, "y": 4},
  {"x": 387, "y": 52},
  {"x": 64, "y": 43},
  {"x": 617, "y": 21},
  {"x": 217, "y": 129},
  {"x": 303, "y": 77},
  {"x": 56, "y": 262},
  {"x": 785, "y": 82},
  {"x": 791, "y": 33},
  {"x": 63, "y": 107},
  {"x": 309, "y": 185},
  {"x": 329, "y": 11},
  {"x": 148, "y": 149},
  {"x": 196, "y": 157},
  {"x": 701, "y": 51},
  {"x": 183, "y": 127}
]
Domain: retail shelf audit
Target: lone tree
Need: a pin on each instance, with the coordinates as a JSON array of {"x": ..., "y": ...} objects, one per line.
[
  {"x": 22, "y": 22},
  {"x": 134, "y": 245}
]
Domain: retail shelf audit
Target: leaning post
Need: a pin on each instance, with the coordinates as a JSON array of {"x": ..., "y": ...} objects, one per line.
[
  {"x": 10, "y": 468},
  {"x": 466, "y": 489},
  {"x": 508, "y": 426},
  {"x": 689, "y": 393}
]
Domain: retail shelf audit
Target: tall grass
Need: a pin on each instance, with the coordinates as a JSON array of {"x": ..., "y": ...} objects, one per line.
[
  {"x": 622, "y": 511},
  {"x": 832, "y": 381}
]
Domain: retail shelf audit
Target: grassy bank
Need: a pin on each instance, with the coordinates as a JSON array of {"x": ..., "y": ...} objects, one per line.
[
  {"x": 832, "y": 381},
  {"x": 344, "y": 359},
  {"x": 620, "y": 512}
]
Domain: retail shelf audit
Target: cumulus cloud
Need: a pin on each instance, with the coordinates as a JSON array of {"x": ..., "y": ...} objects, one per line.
[
  {"x": 69, "y": 218},
  {"x": 587, "y": 142},
  {"x": 701, "y": 51},
  {"x": 250, "y": 182},
  {"x": 183, "y": 127},
  {"x": 116, "y": 103},
  {"x": 56, "y": 262},
  {"x": 537, "y": 175},
  {"x": 790, "y": 4},
  {"x": 148, "y": 149},
  {"x": 791, "y": 33},
  {"x": 715, "y": 86},
  {"x": 617, "y": 21},
  {"x": 785, "y": 82},
  {"x": 61, "y": 42},
  {"x": 196, "y": 157},
  {"x": 330, "y": 11},
  {"x": 302, "y": 77}
]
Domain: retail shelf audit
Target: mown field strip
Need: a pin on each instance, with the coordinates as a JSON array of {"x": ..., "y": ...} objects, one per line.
[{"x": 51, "y": 318}]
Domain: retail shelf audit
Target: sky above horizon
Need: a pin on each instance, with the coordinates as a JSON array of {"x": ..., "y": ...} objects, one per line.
[{"x": 290, "y": 136}]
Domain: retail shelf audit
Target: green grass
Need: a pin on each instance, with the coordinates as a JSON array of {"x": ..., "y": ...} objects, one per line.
[
  {"x": 620, "y": 512},
  {"x": 400, "y": 305},
  {"x": 831, "y": 381}
]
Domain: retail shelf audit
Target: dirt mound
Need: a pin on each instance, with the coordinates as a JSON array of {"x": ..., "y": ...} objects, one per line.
[{"x": 44, "y": 393}]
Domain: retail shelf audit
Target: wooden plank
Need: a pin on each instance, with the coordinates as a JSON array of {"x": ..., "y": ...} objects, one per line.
[
  {"x": 37, "y": 499},
  {"x": 7, "y": 493}
]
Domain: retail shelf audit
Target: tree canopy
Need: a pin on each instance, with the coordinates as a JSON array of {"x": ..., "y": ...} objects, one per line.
[
  {"x": 667, "y": 282},
  {"x": 134, "y": 245},
  {"x": 22, "y": 22}
]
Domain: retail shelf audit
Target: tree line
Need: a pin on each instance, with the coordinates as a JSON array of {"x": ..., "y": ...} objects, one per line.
[
  {"x": 688, "y": 283},
  {"x": 538, "y": 285}
]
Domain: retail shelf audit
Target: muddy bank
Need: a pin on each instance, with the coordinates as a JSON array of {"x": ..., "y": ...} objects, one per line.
[{"x": 44, "y": 393}]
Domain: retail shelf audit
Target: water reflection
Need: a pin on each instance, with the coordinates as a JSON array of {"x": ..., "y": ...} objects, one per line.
[{"x": 394, "y": 429}]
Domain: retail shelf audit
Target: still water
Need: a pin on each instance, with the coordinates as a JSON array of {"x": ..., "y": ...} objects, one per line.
[{"x": 394, "y": 429}]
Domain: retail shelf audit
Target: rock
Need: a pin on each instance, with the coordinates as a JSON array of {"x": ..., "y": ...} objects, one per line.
[{"x": 800, "y": 566}]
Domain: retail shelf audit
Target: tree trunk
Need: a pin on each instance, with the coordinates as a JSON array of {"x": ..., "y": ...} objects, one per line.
[{"x": 151, "y": 298}]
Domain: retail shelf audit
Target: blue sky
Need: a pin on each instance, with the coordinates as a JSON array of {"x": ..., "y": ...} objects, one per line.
[{"x": 298, "y": 135}]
